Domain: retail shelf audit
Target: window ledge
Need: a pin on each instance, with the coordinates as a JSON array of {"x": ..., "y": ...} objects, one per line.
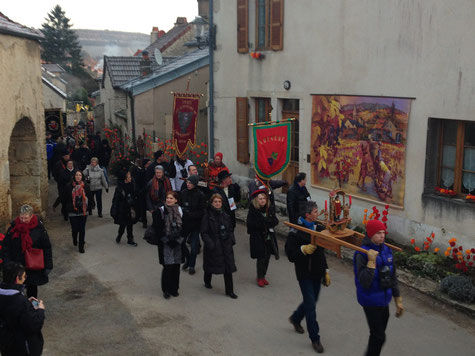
[{"x": 455, "y": 201}]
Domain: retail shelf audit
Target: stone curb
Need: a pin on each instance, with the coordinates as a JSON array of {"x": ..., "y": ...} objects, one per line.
[{"x": 423, "y": 285}]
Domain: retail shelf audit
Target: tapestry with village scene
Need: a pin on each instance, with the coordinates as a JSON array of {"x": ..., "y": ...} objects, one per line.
[{"x": 358, "y": 144}]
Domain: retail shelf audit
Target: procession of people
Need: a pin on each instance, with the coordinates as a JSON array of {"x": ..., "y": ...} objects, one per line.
[{"x": 193, "y": 214}]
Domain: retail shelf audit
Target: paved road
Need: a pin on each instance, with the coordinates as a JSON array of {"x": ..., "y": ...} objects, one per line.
[{"x": 108, "y": 302}]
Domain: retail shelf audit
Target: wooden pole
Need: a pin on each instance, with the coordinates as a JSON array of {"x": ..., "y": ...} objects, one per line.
[
  {"x": 326, "y": 238},
  {"x": 392, "y": 247}
]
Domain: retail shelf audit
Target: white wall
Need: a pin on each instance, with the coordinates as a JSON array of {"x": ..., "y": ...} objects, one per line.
[{"x": 406, "y": 48}]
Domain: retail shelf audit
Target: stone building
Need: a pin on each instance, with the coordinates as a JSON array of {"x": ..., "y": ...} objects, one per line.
[
  {"x": 22, "y": 150},
  {"x": 412, "y": 49}
]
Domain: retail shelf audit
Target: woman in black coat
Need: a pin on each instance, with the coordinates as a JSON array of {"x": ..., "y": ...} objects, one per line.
[
  {"x": 218, "y": 238},
  {"x": 260, "y": 227},
  {"x": 75, "y": 196},
  {"x": 123, "y": 208},
  {"x": 27, "y": 231}
]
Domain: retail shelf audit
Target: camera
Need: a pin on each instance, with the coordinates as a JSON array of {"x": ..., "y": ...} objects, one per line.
[
  {"x": 222, "y": 232},
  {"x": 184, "y": 173},
  {"x": 385, "y": 280}
]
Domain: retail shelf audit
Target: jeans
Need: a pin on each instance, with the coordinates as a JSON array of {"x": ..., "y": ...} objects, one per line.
[
  {"x": 98, "y": 195},
  {"x": 263, "y": 263},
  {"x": 170, "y": 278},
  {"x": 78, "y": 227},
  {"x": 310, "y": 289},
  {"x": 377, "y": 318},
  {"x": 130, "y": 232},
  {"x": 195, "y": 246}
]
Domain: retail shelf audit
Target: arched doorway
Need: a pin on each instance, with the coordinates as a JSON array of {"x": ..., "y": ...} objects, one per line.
[{"x": 25, "y": 167}]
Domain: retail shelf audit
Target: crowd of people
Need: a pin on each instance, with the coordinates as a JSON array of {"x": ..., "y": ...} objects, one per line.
[{"x": 190, "y": 213}]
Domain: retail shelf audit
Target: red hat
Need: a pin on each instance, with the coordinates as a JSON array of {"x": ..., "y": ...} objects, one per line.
[
  {"x": 219, "y": 154},
  {"x": 373, "y": 226},
  {"x": 257, "y": 192}
]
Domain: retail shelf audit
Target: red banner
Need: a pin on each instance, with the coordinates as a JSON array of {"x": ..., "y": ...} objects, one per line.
[
  {"x": 271, "y": 149},
  {"x": 185, "y": 111}
]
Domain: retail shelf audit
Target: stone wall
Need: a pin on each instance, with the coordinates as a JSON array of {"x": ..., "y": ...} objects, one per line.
[{"x": 23, "y": 169}]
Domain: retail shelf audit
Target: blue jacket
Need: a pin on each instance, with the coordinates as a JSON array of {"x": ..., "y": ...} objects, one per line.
[{"x": 368, "y": 289}]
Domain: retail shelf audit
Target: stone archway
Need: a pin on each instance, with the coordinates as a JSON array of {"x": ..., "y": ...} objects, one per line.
[{"x": 25, "y": 167}]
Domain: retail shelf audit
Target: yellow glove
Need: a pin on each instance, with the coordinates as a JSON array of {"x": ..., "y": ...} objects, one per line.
[
  {"x": 372, "y": 254},
  {"x": 326, "y": 281},
  {"x": 308, "y": 249},
  {"x": 399, "y": 306}
]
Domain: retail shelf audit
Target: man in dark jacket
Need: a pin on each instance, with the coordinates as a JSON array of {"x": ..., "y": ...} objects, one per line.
[
  {"x": 297, "y": 196},
  {"x": 82, "y": 156},
  {"x": 193, "y": 204},
  {"x": 202, "y": 185},
  {"x": 20, "y": 320},
  {"x": 311, "y": 269},
  {"x": 138, "y": 174},
  {"x": 231, "y": 193},
  {"x": 169, "y": 167}
]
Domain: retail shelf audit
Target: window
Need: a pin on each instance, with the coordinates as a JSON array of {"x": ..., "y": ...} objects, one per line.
[
  {"x": 263, "y": 109},
  {"x": 242, "y": 26},
  {"x": 451, "y": 155},
  {"x": 269, "y": 24}
]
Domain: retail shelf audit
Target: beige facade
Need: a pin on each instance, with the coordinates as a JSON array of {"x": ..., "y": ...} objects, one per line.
[
  {"x": 383, "y": 48},
  {"x": 154, "y": 108},
  {"x": 23, "y": 178},
  {"x": 53, "y": 100},
  {"x": 113, "y": 100}
]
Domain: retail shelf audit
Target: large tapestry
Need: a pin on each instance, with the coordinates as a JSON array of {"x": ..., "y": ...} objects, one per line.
[
  {"x": 359, "y": 144},
  {"x": 185, "y": 111}
]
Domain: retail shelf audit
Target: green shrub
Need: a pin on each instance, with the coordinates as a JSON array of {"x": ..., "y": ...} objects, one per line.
[
  {"x": 458, "y": 287},
  {"x": 427, "y": 265}
]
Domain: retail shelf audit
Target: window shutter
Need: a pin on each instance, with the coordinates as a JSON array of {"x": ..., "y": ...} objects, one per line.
[
  {"x": 243, "y": 26},
  {"x": 277, "y": 25},
  {"x": 242, "y": 130}
]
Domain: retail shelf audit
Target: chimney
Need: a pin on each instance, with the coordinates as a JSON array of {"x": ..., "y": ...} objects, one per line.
[
  {"x": 203, "y": 8},
  {"x": 145, "y": 65},
  {"x": 154, "y": 35},
  {"x": 181, "y": 21}
]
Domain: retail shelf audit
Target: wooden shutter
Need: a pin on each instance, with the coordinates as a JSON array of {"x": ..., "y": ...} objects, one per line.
[
  {"x": 277, "y": 25},
  {"x": 243, "y": 26},
  {"x": 242, "y": 130}
]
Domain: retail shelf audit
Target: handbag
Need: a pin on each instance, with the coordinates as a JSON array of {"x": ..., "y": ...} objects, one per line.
[
  {"x": 151, "y": 236},
  {"x": 34, "y": 259}
]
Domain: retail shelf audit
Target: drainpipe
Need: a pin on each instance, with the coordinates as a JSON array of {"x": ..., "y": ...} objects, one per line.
[
  {"x": 132, "y": 110},
  {"x": 211, "y": 82}
]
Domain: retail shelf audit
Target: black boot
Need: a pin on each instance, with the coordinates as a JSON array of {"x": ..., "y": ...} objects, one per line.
[
  {"x": 81, "y": 248},
  {"x": 131, "y": 242},
  {"x": 117, "y": 239}
]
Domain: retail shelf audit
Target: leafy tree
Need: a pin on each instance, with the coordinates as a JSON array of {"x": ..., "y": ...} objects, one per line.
[{"x": 61, "y": 44}]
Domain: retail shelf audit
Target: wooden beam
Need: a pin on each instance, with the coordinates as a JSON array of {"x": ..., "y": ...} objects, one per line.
[{"x": 392, "y": 247}]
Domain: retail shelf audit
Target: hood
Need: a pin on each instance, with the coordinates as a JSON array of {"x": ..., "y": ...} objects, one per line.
[{"x": 9, "y": 290}]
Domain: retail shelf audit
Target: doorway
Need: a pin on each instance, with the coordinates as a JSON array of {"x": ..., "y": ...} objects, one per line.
[
  {"x": 290, "y": 109},
  {"x": 25, "y": 167}
]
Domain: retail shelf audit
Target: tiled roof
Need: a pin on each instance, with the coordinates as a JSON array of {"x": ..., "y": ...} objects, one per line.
[
  {"x": 53, "y": 67},
  {"x": 124, "y": 69},
  {"x": 168, "y": 39},
  {"x": 54, "y": 88},
  {"x": 177, "y": 67},
  {"x": 12, "y": 28}
]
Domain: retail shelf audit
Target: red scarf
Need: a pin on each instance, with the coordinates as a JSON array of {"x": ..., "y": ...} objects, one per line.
[
  {"x": 78, "y": 191},
  {"x": 22, "y": 230},
  {"x": 155, "y": 191}
]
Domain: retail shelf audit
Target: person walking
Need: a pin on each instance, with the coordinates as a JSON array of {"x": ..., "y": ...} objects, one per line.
[
  {"x": 123, "y": 208},
  {"x": 215, "y": 166},
  {"x": 181, "y": 167},
  {"x": 76, "y": 193},
  {"x": 260, "y": 227},
  {"x": 25, "y": 233},
  {"x": 97, "y": 180},
  {"x": 170, "y": 253},
  {"x": 193, "y": 204},
  {"x": 21, "y": 321},
  {"x": 160, "y": 160},
  {"x": 217, "y": 232},
  {"x": 297, "y": 195},
  {"x": 81, "y": 155},
  {"x": 50, "y": 145},
  {"x": 138, "y": 175},
  {"x": 376, "y": 284},
  {"x": 157, "y": 189},
  {"x": 64, "y": 180},
  {"x": 230, "y": 193},
  {"x": 311, "y": 270}
]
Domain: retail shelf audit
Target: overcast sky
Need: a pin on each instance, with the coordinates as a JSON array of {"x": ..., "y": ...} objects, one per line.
[{"x": 113, "y": 15}]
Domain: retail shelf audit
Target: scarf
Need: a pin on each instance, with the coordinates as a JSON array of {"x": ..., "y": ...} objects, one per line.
[
  {"x": 78, "y": 191},
  {"x": 172, "y": 215},
  {"x": 22, "y": 231},
  {"x": 305, "y": 223},
  {"x": 155, "y": 192}
]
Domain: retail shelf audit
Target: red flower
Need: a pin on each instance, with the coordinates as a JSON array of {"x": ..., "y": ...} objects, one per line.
[
  {"x": 470, "y": 263},
  {"x": 385, "y": 212},
  {"x": 473, "y": 250},
  {"x": 460, "y": 248},
  {"x": 386, "y": 206},
  {"x": 417, "y": 249},
  {"x": 455, "y": 251},
  {"x": 452, "y": 243},
  {"x": 2, "y": 236},
  {"x": 432, "y": 235},
  {"x": 468, "y": 257},
  {"x": 413, "y": 241},
  {"x": 384, "y": 219},
  {"x": 429, "y": 239},
  {"x": 426, "y": 247}
]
